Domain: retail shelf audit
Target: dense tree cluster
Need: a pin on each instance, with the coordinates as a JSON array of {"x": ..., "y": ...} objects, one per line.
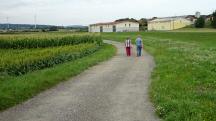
[
  {"x": 200, "y": 22},
  {"x": 213, "y": 21}
]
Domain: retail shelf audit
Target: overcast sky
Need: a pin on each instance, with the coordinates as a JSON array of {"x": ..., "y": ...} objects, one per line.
[{"x": 84, "y": 12}]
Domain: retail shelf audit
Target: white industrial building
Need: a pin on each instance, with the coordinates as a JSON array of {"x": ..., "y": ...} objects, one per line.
[
  {"x": 117, "y": 26},
  {"x": 169, "y": 23}
]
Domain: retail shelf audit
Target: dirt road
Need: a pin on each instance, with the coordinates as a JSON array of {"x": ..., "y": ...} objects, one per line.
[{"x": 116, "y": 90}]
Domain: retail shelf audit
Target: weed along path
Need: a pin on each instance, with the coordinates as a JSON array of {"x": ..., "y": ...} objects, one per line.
[{"x": 116, "y": 90}]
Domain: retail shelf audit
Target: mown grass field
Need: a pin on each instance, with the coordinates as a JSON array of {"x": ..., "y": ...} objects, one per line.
[
  {"x": 183, "y": 84},
  {"x": 195, "y": 30},
  {"x": 31, "y": 63}
]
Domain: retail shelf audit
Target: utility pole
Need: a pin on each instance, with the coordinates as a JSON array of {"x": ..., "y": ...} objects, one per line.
[
  {"x": 35, "y": 21},
  {"x": 8, "y": 25}
]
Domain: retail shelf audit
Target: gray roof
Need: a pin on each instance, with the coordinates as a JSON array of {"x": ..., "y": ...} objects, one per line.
[{"x": 168, "y": 19}]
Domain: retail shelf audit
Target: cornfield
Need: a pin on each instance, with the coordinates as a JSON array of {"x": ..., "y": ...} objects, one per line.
[
  {"x": 32, "y": 41},
  {"x": 23, "y": 54}
]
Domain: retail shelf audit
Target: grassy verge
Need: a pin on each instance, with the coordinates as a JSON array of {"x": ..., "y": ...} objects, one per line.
[
  {"x": 195, "y": 30},
  {"x": 18, "y": 89},
  {"x": 184, "y": 81},
  {"x": 183, "y": 86}
]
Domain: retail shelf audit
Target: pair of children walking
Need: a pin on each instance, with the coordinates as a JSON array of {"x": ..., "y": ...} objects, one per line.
[{"x": 139, "y": 45}]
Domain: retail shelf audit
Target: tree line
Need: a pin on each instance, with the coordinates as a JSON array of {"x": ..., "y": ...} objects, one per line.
[{"x": 201, "y": 22}]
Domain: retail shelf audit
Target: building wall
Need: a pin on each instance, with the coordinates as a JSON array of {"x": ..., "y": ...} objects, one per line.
[
  {"x": 94, "y": 28},
  {"x": 180, "y": 23},
  {"x": 169, "y": 24},
  {"x": 127, "y": 27},
  {"x": 108, "y": 28},
  {"x": 160, "y": 25}
]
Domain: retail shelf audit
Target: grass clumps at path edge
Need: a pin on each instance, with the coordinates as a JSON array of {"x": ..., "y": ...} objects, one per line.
[{"x": 18, "y": 89}]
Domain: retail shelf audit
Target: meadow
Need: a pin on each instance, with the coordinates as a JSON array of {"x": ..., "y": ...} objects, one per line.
[
  {"x": 183, "y": 84},
  {"x": 31, "y": 63}
]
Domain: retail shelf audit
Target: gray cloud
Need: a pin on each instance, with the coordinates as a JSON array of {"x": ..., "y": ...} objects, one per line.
[
  {"x": 89, "y": 11},
  {"x": 5, "y": 4}
]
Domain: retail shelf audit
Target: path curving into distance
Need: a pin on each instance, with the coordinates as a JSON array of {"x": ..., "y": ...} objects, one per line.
[{"x": 116, "y": 90}]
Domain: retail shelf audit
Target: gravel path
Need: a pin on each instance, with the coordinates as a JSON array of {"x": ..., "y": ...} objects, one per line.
[{"x": 116, "y": 90}]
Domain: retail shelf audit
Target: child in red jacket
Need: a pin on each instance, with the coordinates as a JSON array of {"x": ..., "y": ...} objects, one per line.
[{"x": 128, "y": 46}]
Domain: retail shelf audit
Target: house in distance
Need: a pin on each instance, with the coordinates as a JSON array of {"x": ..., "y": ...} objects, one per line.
[{"x": 121, "y": 25}]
